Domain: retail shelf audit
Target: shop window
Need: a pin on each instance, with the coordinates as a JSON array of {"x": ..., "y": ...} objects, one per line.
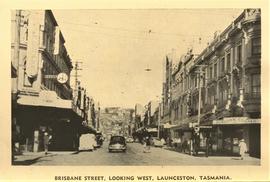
[
  {"x": 256, "y": 46},
  {"x": 256, "y": 85}
]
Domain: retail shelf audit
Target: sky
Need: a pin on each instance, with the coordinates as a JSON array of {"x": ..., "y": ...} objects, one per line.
[{"x": 116, "y": 47}]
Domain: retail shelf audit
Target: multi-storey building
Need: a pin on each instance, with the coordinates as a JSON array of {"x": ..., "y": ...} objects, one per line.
[
  {"x": 43, "y": 104},
  {"x": 165, "y": 111},
  {"x": 225, "y": 78}
]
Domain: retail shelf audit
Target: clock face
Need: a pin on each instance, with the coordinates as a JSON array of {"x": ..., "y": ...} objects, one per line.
[{"x": 62, "y": 78}]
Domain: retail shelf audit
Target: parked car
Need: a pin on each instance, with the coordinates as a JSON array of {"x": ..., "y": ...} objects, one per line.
[
  {"x": 130, "y": 140},
  {"x": 87, "y": 142},
  {"x": 117, "y": 143},
  {"x": 157, "y": 142}
]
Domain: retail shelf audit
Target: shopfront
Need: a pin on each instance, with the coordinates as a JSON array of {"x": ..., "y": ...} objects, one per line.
[
  {"x": 37, "y": 115},
  {"x": 229, "y": 131}
]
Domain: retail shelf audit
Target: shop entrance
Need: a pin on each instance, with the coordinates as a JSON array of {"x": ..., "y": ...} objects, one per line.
[{"x": 255, "y": 140}]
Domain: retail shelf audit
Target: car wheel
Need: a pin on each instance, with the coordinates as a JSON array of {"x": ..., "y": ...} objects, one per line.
[
  {"x": 110, "y": 150},
  {"x": 125, "y": 150}
]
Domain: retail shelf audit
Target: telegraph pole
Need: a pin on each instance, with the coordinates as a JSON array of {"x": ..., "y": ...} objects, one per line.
[
  {"x": 77, "y": 68},
  {"x": 200, "y": 73},
  {"x": 159, "y": 118},
  {"x": 98, "y": 117}
]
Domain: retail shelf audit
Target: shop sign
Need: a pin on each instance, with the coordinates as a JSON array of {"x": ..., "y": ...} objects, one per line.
[
  {"x": 236, "y": 120},
  {"x": 206, "y": 127},
  {"x": 192, "y": 125},
  {"x": 48, "y": 96}
]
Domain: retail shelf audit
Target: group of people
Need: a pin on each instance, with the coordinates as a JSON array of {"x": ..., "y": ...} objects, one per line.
[{"x": 192, "y": 146}]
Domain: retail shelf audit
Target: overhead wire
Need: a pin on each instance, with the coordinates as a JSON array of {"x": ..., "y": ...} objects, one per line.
[{"x": 149, "y": 31}]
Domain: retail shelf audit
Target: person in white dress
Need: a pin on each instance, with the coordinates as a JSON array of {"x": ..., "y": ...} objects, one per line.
[{"x": 243, "y": 148}]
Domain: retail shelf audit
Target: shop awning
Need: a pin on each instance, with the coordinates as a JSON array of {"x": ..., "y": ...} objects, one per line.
[
  {"x": 49, "y": 101},
  {"x": 151, "y": 130},
  {"x": 236, "y": 121},
  {"x": 168, "y": 125},
  {"x": 38, "y": 101},
  {"x": 184, "y": 126}
]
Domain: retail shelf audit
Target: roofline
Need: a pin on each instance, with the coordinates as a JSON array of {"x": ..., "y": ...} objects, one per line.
[
  {"x": 239, "y": 18},
  {"x": 50, "y": 13}
]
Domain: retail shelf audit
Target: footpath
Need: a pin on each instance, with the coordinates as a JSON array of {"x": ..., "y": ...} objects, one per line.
[
  {"x": 28, "y": 158},
  {"x": 215, "y": 156}
]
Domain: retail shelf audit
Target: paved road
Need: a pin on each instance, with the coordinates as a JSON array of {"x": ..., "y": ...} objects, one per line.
[{"x": 135, "y": 156}]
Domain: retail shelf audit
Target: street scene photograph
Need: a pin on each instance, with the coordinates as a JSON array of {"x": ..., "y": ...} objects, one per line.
[{"x": 136, "y": 87}]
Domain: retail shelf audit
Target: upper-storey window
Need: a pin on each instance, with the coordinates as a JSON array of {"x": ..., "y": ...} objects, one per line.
[
  {"x": 256, "y": 85},
  {"x": 228, "y": 57},
  {"x": 215, "y": 70},
  {"x": 222, "y": 65},
  {"x": 239, "y": 53},
  {"x": 256, "y": 46},
  {"x": 210, "y": 72}
]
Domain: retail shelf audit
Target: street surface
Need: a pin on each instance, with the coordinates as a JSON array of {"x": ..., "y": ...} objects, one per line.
[{"x": 133, "y": 156}]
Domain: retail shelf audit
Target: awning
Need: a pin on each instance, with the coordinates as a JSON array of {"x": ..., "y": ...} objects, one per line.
[
  {"x": 236, "y": 121},
  {"x": 139, "y": 129},
  {"x": 151, "y": 130},
  {"x": 49, "y": 101},
  {"x": 168, "y": 125},
  {"x": 183, "y": 126},
  {"x": 44, "y": 101},
  {"x": 87, "y": 129}
]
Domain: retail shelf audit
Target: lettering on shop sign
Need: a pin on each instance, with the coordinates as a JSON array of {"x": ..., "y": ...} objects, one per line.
[{"x": 236, "y": 120}]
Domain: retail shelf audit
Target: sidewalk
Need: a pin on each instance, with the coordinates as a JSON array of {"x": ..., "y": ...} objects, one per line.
[
  {"x": 28, "y": 158},
  {"x": 202, "y": 155}
]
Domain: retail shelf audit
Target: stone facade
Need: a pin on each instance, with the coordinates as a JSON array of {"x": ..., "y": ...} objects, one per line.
[
  {"x": 227, "y": 76},
  {"x": 42, "y": 104}
]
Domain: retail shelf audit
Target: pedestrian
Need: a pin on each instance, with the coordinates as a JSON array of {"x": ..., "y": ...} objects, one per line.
[
  {"x": 207, "y": 146},
  {"x": 163, "y": 141},
  {"x": 144, "y": 144},
  {"x": 243, "y": 148},
  {"x": 178, "y": 144},
  {"x": 147, "y": 144},
  {"x": 46, "y": 139}
]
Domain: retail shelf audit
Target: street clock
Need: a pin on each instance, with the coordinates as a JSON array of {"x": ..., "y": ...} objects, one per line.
[{"x": 62, "y": 78}]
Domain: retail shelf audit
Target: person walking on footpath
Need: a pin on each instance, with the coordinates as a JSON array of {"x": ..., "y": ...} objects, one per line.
[
  {"x": 243, "y": 148},
  {"x": 46, "y": 142}
]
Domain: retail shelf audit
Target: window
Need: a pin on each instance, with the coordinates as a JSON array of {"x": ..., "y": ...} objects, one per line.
[
  {"x": 211, "y": 95},
  {"x": 228, "y": 57},
  {"x": 210, "y": 72},
  {"x": 256, "y": 85},
  {"x": 239, "y": 53},
  {"x": 222, "y": 65},
  {"x": 215, "y": 70},
  {"x": 223, "y": 96},
  {"x": 256, "y": 46}
]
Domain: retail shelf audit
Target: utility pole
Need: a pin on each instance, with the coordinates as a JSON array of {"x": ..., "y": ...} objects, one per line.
[
  {"x": 98, "y": 117},
  {"x": 159, "y": 118},
  {"x": 16, "y": 59},
  {"x": 200, "y": 73},
  {"x": 77, "y": 68}
]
